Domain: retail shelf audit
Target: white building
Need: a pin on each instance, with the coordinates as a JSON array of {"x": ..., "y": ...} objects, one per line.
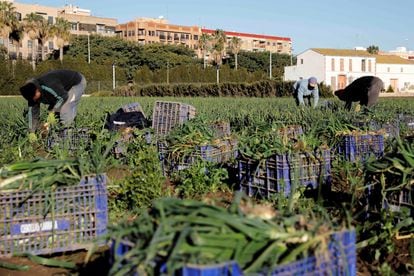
[{"x": 339, "y": 67}]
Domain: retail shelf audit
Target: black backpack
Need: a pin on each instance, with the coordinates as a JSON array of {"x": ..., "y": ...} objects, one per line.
[{"x": 123, "y": 119}]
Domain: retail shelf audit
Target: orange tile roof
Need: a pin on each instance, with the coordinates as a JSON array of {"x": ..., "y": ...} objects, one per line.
[
  {"x": 387, "y": 59},
  {"x": 391, "y": 59},
  {"x": 342, "y": 52},
  {"x": 210, "y": 31}
]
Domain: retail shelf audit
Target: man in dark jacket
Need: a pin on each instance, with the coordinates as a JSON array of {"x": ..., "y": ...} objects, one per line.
[
  {"x": 364, "y": 90},
  {"x": 61, "y": 90}
]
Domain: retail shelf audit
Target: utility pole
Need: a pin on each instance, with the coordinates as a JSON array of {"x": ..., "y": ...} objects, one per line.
[
  {"x": 270, "y": 65},
  {"x": 168, "y": 72},
  {"x": 113, "y": 76},
  {"x": 218, "y": 73},
  {"x": 89, "y": 50}
]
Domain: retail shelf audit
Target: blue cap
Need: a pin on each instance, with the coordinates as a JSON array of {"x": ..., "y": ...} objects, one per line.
[{"x": 313, "y": 81}]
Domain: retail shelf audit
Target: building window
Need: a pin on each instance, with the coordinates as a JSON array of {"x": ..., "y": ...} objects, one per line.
[
  {"x": 341, "y": 65},
  {"x": 50, "y": 20},
  {"x": 402, "y": 70},
  {"x": 363, "y": 65},
  {"x": 125, "y": 34},
  {"x": 195, "y": 37},
  {"x": 388, "y": 69},
  {"x": 301, "y": 61},
  {"x": 369, "y": 65},
  {"x": 100, "y": 28},
  {"x": 332, "y": 64},
  {"x": 29, "y": 43},
  {"x": 333, "y": 82},
  {"x": 50, "y": 45},
  {"x": 73, "y": 26},
  {"x": 161, "y": 35},
  {"x": 350, "y": 65}
]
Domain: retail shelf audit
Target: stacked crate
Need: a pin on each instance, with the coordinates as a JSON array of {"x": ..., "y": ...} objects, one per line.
[
  {"x": 167, "y": 115},
  {"x": 280, "y": 172}
]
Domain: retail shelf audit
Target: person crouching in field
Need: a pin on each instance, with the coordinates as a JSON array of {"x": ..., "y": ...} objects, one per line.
[
  {"x": 305, "y": 89},
  {"x": 364, "y": 90},
  {"x": 61, "y": 90}
]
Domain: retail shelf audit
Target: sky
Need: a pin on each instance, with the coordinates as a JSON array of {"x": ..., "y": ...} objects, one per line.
[{"x": 310, "y": 24}]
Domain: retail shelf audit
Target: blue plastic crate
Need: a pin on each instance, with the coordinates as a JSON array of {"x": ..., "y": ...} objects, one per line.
[
  {"x": 338, "y": 259},
  {"x": 69, "y": 138},
  {"x": 407, "y": 120},
  {"x": 133, "y": 107},
  {"x": 167, "y": 115},
  {"x": 391, "y": 129},
  {"x": 392, "y": 200},
  {"x": 278, "y": 173},
  {"x": 291, "y": 131},
  {"x": 360, "y": 147},
  {"x": 221, "y": 128},
  {"x": 79, "y": 216},
  {"x": 221, "y": 152}
]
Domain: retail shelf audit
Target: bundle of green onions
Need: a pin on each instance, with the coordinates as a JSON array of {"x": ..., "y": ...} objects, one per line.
[
  {"x": 39, "y": 174},
  {"x": 180, "y": 232}
]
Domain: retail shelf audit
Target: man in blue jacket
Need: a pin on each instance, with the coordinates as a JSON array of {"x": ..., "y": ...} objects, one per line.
[
  {"x": 306, "y": 89},
  {"x": 61, "y": 90}
]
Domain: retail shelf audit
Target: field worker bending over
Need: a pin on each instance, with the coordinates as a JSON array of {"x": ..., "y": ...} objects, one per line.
[
  {"x": 364, "y": 90},
  {"x": 61, "y": 90},
  {"x": 305, "y": 89}
]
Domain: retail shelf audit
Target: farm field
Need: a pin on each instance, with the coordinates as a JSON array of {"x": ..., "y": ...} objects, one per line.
[{"x": 348, "y": 171}]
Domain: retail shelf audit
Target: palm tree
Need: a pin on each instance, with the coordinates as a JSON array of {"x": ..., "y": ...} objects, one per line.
[
  {"x": 219, "y": 47},
  {"x": 8, "y": 21},
  {"x": 61, "y": 30},
  {"x": 373, "y": 49},
  {"x": 16, "y": 37},
  {"x": 45, "y": 32},
  {"x": 235, "y": 45},
  {"x": 31, "y": 27},
  {"x": 204, "y": 45}
]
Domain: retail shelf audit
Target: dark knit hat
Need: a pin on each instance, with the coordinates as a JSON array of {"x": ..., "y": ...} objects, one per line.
[{"x": 28, "y": 90}]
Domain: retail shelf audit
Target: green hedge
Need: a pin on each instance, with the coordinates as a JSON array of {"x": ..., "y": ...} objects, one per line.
[{"x": 255, "y": 89}]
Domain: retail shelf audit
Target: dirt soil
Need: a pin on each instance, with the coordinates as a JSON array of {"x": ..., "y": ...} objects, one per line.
[{"x": 98, "y": 264}]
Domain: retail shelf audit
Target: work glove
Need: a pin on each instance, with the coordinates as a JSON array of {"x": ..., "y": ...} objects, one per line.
[
  {"x": 32, "y": 137},
  {"x": 51, "y": 118}
]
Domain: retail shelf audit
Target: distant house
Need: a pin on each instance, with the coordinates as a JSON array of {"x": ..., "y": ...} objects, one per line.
[{"x": 339, "y": 67}]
